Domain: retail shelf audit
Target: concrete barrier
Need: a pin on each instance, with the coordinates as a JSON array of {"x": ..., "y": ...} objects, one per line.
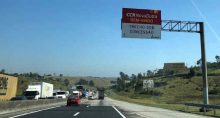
[{"x": 13, "y": 105}]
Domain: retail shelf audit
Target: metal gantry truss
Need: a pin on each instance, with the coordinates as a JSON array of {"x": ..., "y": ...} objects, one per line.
[
  {"x": 193, "y": 27},
  {"x": 180, "y": 26}
]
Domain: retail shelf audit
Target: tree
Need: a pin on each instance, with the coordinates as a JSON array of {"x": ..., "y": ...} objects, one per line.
[
  {"x": 61, "y": 75},
  {"x": 113, "y": 82},
  {"x": 159, "y": 72},
  {"x": 192, "y": 72},
  {"x": 82, "y": 82},
  {"x": 139, "y": 76},
  {"x": 139, "y": 82},
  {"x": 66, "y": 82},
  {"x": 91, "y": 83},
  {"x": 2, "y": 71},
  {"x": 121, "y": 81},
  {"x": 133, "y": 78},
  {"x": 119, "y": 84},
  {"x": 122, "y": 75},
  {"x": 217, "y": 58},
  {"x": 150, "y": 73},
  {"x": 15, "y": 74},
  {"x": 199, "y": 62}
]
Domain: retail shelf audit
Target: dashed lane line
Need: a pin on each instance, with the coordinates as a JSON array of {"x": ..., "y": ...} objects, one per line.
[
  {"x": 76, "y": 114},
  {"x": 33, "y": 112}
]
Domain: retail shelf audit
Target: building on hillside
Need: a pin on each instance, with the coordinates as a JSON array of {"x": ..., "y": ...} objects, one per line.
[
  {"x": 8, "y": 87},
  {"x": 174, "y": 68}
]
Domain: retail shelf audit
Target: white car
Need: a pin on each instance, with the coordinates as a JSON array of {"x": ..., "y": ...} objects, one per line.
[
  {"x": 61, "y": 94},
  {"x": 77, "y": 93}
]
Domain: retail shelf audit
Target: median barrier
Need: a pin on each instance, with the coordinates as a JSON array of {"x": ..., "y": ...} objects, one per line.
[{"x": 22, "y": 104}]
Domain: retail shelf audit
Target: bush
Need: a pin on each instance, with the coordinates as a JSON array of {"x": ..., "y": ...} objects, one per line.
[
  {"x": 215, "y": 91},
  {"x": 192, "y": 72},
  {"x": 172, "y": 86},
  {"x": 152, "y": 92},
  {"x": 159, "y": 84}
]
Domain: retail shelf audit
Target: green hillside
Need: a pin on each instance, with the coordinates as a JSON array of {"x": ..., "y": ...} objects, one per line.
[
  {"x": 177, "y": 90},
  {"x": 172, "y": 93}
]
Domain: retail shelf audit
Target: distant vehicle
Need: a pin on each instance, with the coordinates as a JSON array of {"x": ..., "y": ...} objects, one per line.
[
  {"x": 78, "y": 88},
  {"x": 76, "y": 93},
  {"x": 73, "y": 99},
  {"x": 91, "y": 98},
  {"x": 38, "y": 90},
  {"x": 101, "y": 93},
  {"x": 86, "y": 94},
  {"x": 19, "y": 98},
  {"x": 61, "y": 94}
]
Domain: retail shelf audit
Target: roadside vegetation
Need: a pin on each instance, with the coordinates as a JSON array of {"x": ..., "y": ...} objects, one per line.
[{"x": 169, "y": 91}]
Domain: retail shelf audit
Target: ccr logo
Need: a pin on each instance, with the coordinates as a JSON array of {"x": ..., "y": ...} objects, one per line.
[{"x": 130, "y": 14}]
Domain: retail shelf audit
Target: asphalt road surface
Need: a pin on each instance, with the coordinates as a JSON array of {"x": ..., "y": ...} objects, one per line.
[{"x": 107, "y": 108}]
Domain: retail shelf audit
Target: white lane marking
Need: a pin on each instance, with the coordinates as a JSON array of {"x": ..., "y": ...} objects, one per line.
[
  {"x": 87, "y": 106},
  {"x": 119, "y": 112},
  {"x": 33, "y": 112},
  {"x": 76, "y": 114}
]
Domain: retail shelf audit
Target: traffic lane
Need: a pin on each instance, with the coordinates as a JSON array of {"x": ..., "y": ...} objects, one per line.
[
  {"x": 81, "y": 111},
  {"x": 62, "y": 111},
  {"x": 99, "y": 112},
  {"x": 131, "y": 109}
]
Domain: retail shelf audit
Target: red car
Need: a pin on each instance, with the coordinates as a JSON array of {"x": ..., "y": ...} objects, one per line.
[{"x": 73, "y": 99}]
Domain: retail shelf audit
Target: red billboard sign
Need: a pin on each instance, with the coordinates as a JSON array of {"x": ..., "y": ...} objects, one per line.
[
  {"x": 141, "y": 16},
  {"x": 141, "y": 23}
]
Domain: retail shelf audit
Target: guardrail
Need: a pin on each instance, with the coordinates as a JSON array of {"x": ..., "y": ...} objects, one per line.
[
  {"x": 9, "y": 105},
  {"x": 205, "y": 107}
]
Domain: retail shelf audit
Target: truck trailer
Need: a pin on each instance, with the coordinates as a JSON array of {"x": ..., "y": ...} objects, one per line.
[
  {"x": 37, "y": 90},
  {"x": 101, "y": 91}
]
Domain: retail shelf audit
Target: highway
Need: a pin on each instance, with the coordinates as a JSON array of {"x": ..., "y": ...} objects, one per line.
[{"x": 107, "y": 108}]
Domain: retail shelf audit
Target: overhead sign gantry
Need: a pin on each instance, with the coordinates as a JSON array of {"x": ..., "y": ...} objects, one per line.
[{"x": 141, "y": 23}]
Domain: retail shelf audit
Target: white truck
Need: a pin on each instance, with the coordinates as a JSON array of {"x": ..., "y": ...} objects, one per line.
[{"x": 38, "y": 90}]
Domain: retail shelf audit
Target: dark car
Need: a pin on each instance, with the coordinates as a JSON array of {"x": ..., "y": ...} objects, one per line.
[
  {"x": 19, "y": 98},
  {"x": 73, "y": 99}
]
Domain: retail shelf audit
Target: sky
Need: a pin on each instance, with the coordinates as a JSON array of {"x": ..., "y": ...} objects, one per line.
[{"x": 83, "y": 37}]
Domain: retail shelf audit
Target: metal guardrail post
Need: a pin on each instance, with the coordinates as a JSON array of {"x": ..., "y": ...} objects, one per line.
[
  {"x": 204, "y": 107},
  {"x": 214, "y": 111}
]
